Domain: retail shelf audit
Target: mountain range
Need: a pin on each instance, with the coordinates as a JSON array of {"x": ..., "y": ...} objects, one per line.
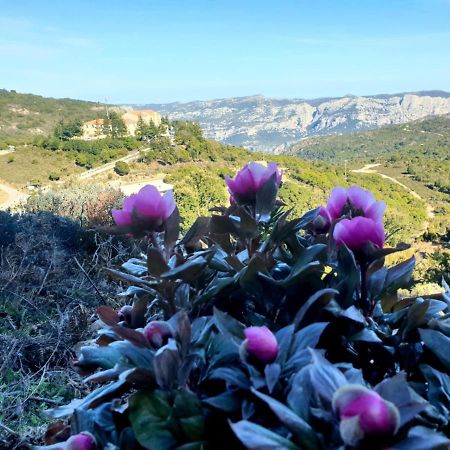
[{"x": 272, "y": 125}]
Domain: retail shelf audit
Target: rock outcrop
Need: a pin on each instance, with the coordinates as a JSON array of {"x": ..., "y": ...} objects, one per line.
[{"x": 268, "y": 124}]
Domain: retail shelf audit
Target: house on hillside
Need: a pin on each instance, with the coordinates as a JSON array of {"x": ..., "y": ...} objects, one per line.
[
  {"x": 131, "y": 119},
  {"x": 94, "y": 129}
]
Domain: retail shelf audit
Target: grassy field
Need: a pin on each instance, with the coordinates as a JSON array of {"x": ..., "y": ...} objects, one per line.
[{"x": 29, "y": 164}]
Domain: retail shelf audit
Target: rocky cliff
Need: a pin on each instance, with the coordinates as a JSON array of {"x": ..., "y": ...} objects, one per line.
[{"x": 269, "y": 124}]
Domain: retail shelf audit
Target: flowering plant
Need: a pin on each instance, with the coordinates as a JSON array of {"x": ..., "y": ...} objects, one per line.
[{"x": 256, "y": 331}]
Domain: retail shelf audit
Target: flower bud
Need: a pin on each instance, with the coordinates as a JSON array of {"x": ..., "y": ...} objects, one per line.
[
  {"x": 125, "y": 313},
  {"x": 147, "y": 210},
  {"x": 357, "y": 232},
  {"x": 260, "y": 343},
  {"x": 81, "y": 441},
  {"x": 364, "y": 413},
  {"x": 353, "y": 201},
  {"x": 250, "y": 180},
  {"x": 158, "y": 333}
]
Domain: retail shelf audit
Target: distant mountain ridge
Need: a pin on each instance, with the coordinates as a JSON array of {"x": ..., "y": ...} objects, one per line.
[{"x": 270, "y": 124}]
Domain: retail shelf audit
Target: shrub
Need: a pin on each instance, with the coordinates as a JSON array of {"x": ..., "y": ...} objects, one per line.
[
  {"x": 53, "y": 176},
  {"x": 87, "y": 204},
  {"x": 258, "y": 331},
  {"x": 122, "y": 168},
  {"x": 7, "y": 229}
]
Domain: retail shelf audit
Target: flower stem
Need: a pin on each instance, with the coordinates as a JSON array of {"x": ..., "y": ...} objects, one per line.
[{"x": 364, "y": 301}]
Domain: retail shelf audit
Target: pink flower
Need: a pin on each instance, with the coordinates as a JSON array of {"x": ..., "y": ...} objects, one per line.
[
  {"x": 124, "y": 216},
  {"x": 147, "y": 209},
  {"x": 364, "y": 413},
  {"x": 250, "y": 179},
  {"x": 81, "y": 441},
  {"x": 354, "y": 233},
  {"x": 158, "y": 333},
  {"x": 260, "y": 343},
  {"x": 354, "y": 201}
]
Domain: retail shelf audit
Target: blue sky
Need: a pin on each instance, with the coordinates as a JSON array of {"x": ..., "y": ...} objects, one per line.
[{"x": 139, "y": 51}]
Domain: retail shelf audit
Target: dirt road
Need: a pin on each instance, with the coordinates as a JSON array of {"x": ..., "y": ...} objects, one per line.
[
  {"x": 369, "y": 168},
  {"x": 14, "y": 196},
  {"x": 133, "y": 156}
]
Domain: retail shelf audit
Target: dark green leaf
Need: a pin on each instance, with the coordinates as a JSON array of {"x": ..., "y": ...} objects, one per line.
[
  {"x": 229, "y": 326},
  {"x": 256, "y": 437},
  {"x": 399, "y": 276},
  {"x": 148, "y": 413},
  {"x": 156, "y": 265},
  {"x": 438, "y": 343},
  {"x": 302, "y": 431},
  {"x": 188, "y": 271},
  {"x": 311, "y": 309},
  {"x": 172, "y": 229}
]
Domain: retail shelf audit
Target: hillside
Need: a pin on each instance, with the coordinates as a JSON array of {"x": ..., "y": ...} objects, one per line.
[
  {"x": 429, "y": 136},
  {"x": 27, "y": 115},
  {"x": 419, "y": 149},
  {"x": 271, "y": 125}
]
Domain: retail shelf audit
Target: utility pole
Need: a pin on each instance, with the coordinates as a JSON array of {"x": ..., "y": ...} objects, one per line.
[
  {"x": 107, "y": 111},
  {"x": 345, "y": 169}
]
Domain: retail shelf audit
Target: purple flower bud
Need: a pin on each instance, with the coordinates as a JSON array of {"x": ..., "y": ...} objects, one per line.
[
  {"x": 125, "y": 313},
  {"x": 158, "y": 333},
  {"x": 147, "y": 209},
  {"x": 364, "y": 413},
  {"x": 354, "y": 233},
  {"x": 81, "y": 441},
  {"x": 354, "y": 201},
  {"x": 260, "y": 343},
  {"x": 250, "y": 179}
]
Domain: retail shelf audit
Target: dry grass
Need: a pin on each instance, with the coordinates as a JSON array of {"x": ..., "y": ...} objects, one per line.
[
  {"x": 32, "y": 163},
  {"x": 3, "y": 196},
  {"x": 47, "y": 305}
]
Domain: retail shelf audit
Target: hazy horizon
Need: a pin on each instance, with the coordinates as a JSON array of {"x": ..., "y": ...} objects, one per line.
[{"x": 153, "y": 52}]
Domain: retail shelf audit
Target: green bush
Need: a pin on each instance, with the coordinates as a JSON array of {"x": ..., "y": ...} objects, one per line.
[
  {"x": 53, "y": 176},
  {"x": 122, "y": 168}
]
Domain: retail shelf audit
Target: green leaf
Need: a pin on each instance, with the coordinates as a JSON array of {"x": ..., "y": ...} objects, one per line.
[
  {"x": 423, "y": 438},
  {"x": 156, "y": 265},
  {"x": 366, "y": 335},
  {"x": 134, "y": 269},
  {"x": 229, "y": 326},
  {"x": 188, "y": 271},
  {"x": 172, "y": 229},
  {"x": 325, "y": 377},
  {"x": 399, "y": 275},
  {"x": 256, "y": 437},
  {"x": 148, "y": 413},
  {"x": 314, "y": 305},
  {"x": 302, "y": 431},
  {"x": 438, "y": 343}
]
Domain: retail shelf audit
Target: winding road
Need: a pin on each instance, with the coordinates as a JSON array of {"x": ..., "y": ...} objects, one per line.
[{"x": 429, "y": 211}]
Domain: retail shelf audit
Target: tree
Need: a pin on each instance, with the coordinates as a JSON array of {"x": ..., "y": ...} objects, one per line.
[
  {"x": 147, "y": 131},
  {"x": 118, "y": 127},
  {"x": 67, "y": 130}
]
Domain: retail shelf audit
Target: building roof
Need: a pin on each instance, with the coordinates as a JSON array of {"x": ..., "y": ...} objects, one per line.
[{"x": 95, "y": 122}]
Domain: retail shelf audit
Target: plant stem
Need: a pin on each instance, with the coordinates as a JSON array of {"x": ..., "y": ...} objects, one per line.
[{"x": 365, "y": 304}]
